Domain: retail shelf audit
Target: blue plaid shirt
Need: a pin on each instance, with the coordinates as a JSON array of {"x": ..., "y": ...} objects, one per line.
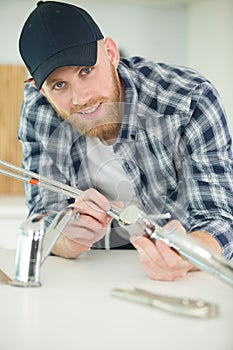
[{"x": 174, "y": 144}]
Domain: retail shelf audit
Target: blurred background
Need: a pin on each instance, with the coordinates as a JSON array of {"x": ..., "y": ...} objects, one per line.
[{"x": 194, "y": 33}]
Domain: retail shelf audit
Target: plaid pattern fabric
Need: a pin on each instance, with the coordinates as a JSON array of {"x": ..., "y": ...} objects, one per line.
[{"x": 174, "y": 145}]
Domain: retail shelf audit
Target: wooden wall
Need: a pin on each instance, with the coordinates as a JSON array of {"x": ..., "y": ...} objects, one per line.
[{"x": 11, "y": 97}]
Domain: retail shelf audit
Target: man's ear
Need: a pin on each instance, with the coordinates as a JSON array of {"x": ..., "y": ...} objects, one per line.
[
  {"x": 112, "y": 51},
  {"x": 32, "y": 81}
]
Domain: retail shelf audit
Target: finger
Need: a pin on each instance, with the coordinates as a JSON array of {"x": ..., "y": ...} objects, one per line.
[
  {"x": 118, "y": 204},
  {"x": 86, "y": 231},
  {"x": 90, "y": 209},
  {"x": 90, "y": 222},
  {"x": 149, "y": 252},
  {"x": 167, "y": 253},
  {"x": 92, "y": 196},
  {"x": 176, "y": 263},
  {"x": 174, "y": 226},
  {"x": 160, "y": 261},
  {"x": 153, "y": 270}
]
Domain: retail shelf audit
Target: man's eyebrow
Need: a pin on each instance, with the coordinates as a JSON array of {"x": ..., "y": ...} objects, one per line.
[{"x": 51, "y": 81}]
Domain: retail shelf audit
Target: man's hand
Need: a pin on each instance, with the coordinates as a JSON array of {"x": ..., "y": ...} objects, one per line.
[
  {"x": 161, "y": 262},
  {"x": 90, "y": 226}
]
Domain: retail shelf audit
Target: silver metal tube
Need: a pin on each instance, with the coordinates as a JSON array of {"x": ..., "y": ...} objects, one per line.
[
  {"x": 50, "y": 184},
  {"x": 190, "y": 248},
  {"x": 55, "y": 229}
]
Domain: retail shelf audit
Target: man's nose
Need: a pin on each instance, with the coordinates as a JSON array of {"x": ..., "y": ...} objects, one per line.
[{"x": 80, "y": 95}]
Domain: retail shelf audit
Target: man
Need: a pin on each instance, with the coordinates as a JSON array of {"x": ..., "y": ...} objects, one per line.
[{"x": 123, "y": 131}]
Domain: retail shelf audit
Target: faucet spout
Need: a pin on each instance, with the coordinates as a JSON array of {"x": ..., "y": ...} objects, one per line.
[
  {"x": 55, "y": 229},
  {"x": 34, "y": 245}
]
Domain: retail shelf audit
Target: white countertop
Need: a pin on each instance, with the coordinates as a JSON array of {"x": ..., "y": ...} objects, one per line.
[{"x": 73, "y": 309}]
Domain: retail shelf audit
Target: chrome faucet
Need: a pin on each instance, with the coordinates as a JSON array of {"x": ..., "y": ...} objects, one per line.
[{"x": 35, "y": 244}]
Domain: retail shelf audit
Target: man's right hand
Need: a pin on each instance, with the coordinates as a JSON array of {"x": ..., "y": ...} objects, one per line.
[{"x": 90, "y": 226}]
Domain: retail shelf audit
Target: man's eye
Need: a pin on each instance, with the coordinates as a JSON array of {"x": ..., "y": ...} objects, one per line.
[
  {"x": 86, "y": 70},
  {"x": 58, "y": 86}
]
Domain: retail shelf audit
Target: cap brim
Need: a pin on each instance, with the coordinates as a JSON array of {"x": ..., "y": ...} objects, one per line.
[{"x": 80, "y": 55}]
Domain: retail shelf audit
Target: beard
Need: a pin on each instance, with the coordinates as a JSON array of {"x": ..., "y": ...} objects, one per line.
[{"x": 106, "y": 126}]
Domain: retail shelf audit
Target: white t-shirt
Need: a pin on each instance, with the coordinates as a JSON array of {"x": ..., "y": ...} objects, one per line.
[
  {"x": 106, "y": 172},
  {"x": 109, "y": 178}
]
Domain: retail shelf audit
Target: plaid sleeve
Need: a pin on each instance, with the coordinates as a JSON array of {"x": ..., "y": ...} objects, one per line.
[
  {"x": 208, "y": 168},
  {"x": 37, "y": 123}
]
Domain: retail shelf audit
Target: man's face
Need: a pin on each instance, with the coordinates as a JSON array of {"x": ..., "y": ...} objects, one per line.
[{"x": 88, "y": 97}]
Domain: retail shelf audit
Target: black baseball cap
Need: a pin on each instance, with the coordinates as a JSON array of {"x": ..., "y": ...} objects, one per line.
[{"x": 58, "y": 34}]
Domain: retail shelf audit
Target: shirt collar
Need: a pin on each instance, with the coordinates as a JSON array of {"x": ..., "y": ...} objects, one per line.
[{"x": 130, "y": 123}]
